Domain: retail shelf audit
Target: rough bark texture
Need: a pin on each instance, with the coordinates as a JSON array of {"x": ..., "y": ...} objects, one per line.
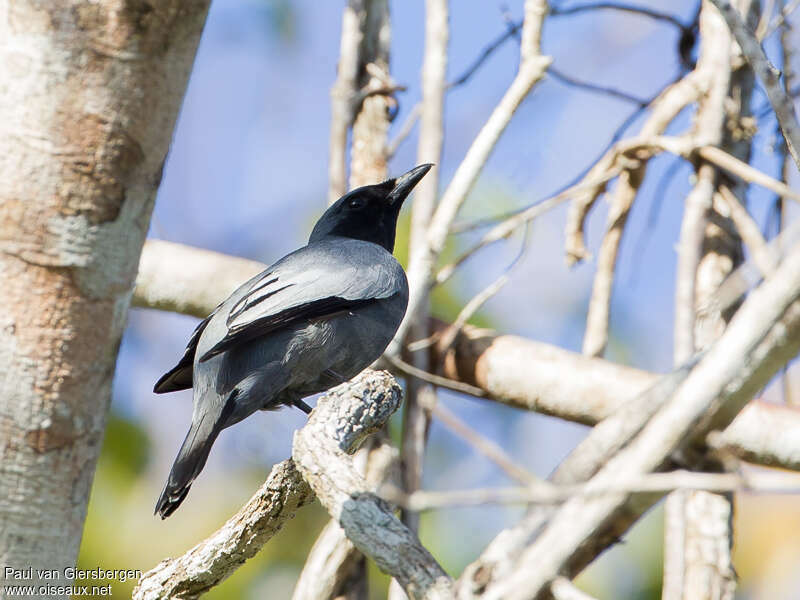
[
  {"x": 368, "y": 154},
  {"x": 335, "y": 569},
  {"x": 89, "y": 93},
  {"x": 319, "y": 451}
]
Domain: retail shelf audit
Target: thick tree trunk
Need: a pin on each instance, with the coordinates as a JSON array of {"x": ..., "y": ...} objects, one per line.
[{"x": 89, "y": 94}]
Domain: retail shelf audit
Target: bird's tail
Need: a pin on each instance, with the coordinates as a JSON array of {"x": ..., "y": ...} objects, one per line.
[{"x": 192, "y": 458}]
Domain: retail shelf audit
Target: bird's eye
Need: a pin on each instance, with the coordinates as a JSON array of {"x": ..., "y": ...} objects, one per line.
[{"x": 356, "y": 203}]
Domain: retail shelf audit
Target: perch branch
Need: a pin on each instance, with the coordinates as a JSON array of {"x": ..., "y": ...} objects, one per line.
[{"x": 319, "y": 453}]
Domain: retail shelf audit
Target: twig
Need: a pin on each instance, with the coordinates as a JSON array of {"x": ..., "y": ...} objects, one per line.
[
  {"x": 780, "y": 20},
  {"x": 548, "y": 493},
  {"x": 615, "y": 137},
  {"x": 664, "y": 109},
  {"x": 448, "y": 337},
  {"x": 506, "y": 228},
  {"x": 614, "y": 93},
  {"x": 768, "y": 75},
  {"x": 367, "y": 521},
  {"x": 750, "y": 233},
  {"x": 405, "y": 131},
  {"x": 484, "y": 445},
  {"x": 620, "y": 6},
  {"x": 434, "y": 379},
  {"x": 465, "y": 76},
  {"x": 741, "y": 169},
  {"x": 284, "y": 492}
]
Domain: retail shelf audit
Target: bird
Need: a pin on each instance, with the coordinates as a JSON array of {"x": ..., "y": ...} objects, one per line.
[{"x": 314, "y": 319}]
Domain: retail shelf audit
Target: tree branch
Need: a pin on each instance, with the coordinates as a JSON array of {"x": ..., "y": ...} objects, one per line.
[
  {"x": 421, "y": 395},
  {"x": 768, "y": 75},
  {"x": 334, "y": 562},
  {"x": 366, "y": 520}
]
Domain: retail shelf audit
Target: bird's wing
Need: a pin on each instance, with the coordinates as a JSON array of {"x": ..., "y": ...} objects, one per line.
[{"x": 314, "y": 282}]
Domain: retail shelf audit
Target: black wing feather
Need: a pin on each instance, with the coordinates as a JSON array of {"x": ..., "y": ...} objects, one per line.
[{"x": 245, "y": 332}]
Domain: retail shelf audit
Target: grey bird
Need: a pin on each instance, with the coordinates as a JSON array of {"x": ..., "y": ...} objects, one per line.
[{"x": 312, "y": 320}]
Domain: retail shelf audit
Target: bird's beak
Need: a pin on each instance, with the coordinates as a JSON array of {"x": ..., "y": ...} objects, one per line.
[{"x": 406, "y": 182}]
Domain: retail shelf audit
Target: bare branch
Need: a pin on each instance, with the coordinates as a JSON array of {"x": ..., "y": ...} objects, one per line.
[
  {"x": 750, "y": 232},
  {"x": 448, "y": 337},
  {"x": 620, "y": 6},
  {"x": 664, "y": 109},
  {"x": 697, "y": 545},
  {"x": 504, "y": 229},
  {"x": 714, "y": 66},
  {"x": 768, "y": 75},
  {"x": 744, "y": 171},
  {"x": 416, "y": 417},
  {"x": 175, "y": 277},
  {"x": 214, "y": 559},
  {"x": 334, "y": 565},
  {"x": 693, "y": 230},
  {"x": 367, "y": 521},
  {"x": 545, "y": 493},
  {"x": 484, "y": 445}
]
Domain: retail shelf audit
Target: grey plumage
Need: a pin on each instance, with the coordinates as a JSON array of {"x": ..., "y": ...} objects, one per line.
[{"x": 312, "y": 320}]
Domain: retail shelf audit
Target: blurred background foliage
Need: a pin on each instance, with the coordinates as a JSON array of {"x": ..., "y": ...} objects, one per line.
[{"x": 246, "y": 175}]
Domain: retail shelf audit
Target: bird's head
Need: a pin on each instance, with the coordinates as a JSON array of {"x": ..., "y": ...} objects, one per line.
[{"x": 369, "y": 213}]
